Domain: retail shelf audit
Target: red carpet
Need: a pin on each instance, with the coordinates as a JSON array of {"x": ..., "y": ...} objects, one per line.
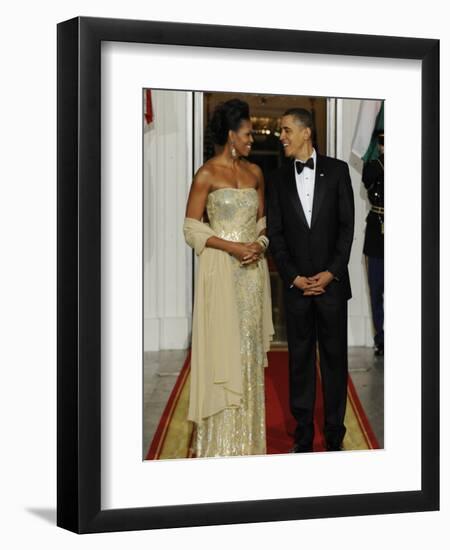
[
  {"x": 281, "y": 425},
  {"x": 173, "y": 436}
]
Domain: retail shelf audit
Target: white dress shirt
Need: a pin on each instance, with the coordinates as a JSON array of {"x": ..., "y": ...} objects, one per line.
[{"x": 305, "y": 187}]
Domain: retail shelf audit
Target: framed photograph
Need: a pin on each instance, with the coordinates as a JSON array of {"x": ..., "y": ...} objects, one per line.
[{"x": 121, "y": 251}]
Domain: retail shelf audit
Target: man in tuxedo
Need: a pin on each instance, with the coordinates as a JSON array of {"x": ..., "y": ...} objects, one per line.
[{"x": 310, "y": 222}]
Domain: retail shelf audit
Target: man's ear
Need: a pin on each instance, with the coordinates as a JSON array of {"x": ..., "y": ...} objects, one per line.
[{"x": 309, "y": 132}]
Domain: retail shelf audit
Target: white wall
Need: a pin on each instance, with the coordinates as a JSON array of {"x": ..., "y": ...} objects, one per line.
[
  {"x": 360, "y": 328},
  {"x": 167, "y": 259}
]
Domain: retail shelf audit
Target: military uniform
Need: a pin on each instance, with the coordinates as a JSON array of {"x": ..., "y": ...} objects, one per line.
[{"x": 373, "y": 179}]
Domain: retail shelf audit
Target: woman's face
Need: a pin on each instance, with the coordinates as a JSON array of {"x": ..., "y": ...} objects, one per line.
[{"x": 242, "y": 139}]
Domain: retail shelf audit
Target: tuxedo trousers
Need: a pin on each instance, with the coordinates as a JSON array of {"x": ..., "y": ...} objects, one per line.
[{"x": 317, "y": 323}]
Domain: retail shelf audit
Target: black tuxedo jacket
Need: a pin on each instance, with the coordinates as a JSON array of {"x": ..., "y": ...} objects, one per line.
[{"x": 298, "y": 249}]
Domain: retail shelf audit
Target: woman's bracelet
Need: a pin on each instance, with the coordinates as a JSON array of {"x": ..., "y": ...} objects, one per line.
[{"x": 263, "y": 241}]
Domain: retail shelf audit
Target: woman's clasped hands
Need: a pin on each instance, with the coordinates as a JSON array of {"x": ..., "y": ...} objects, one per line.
[{"x": 247, "y": 253}]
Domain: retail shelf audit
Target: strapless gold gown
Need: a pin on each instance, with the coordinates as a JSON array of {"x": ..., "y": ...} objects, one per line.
[{"x": 239, "y": 431}]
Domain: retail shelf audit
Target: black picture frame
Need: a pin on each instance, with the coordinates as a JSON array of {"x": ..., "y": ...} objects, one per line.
[{"x": 79, "y": 275}]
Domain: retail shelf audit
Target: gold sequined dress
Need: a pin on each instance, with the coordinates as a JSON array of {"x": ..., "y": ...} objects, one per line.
[{"x": 239, "y": 430}]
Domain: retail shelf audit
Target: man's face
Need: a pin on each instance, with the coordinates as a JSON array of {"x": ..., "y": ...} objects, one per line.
[{"x": 293, "y": 136}]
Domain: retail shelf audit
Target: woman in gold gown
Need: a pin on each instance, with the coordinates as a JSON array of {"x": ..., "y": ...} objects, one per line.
[{"x": 232, "y": 325}]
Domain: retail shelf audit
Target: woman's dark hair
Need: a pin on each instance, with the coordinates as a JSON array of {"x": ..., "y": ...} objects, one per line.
[{"x": 227, "y": 116}]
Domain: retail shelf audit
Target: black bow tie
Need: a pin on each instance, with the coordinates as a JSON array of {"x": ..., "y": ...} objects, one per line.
[{"x": 300, "y": 165}]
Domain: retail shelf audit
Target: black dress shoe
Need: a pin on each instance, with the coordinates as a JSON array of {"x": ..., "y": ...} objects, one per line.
[
  {"x": 379, "y": 351},
  {"x": 300, "y": 449}
]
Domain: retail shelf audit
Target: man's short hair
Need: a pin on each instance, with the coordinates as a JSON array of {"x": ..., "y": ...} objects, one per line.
[{"x": 302, "y": 116}]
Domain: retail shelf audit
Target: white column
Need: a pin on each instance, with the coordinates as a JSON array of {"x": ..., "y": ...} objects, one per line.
[
  {"x": 360, "y": 320},
  {"x": 167, "y": 259}
]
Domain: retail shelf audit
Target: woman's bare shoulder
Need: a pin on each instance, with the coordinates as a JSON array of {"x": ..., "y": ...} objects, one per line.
[
  {"x": 203, "y": 174},
  {"x": 207, "y": 170}
]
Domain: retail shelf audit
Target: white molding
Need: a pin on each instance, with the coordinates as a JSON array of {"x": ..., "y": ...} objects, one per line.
[
  {"x": 174, "y": 333},
  {"x": 198, "y": 129},
  {"x": 331, "y": 126},
  {"x": 360, "y": 320},
  {"x": 167, "y": 333},
  {"x": 167, "y": 258},
  {"x": 339, "y": 143},
  {"x": 151, "y": 335}
]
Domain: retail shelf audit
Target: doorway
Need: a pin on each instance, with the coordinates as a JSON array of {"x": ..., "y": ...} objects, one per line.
[{"x": 266, "y": 112}]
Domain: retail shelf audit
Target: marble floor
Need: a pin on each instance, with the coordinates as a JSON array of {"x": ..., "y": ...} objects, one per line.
[{"x": 162, "y": 368}]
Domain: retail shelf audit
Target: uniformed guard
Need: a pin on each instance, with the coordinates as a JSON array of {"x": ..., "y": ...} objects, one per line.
[{"x": 373, "y": 179}]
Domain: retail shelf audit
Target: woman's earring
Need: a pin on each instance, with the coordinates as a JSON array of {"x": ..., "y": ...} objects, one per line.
[{"x": 233, "y": 151}]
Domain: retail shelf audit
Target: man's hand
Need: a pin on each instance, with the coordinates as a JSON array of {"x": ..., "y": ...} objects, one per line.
[
  {"x": 318, "y": 283},
  {"x": 307, "y": 286}
]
